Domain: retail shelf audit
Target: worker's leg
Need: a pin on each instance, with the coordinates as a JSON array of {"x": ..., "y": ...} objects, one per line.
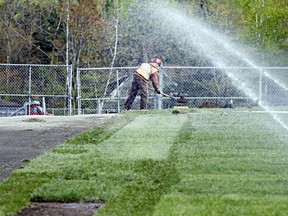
[
  {"x": 143, "y": 94},
  {"x": 133, "y": 93}
]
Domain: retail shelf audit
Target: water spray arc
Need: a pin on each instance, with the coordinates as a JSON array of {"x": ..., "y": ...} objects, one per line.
[{"x": 220, "y": 52}]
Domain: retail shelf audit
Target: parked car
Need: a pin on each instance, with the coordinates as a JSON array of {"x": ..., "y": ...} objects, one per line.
[{"x": 31, "y": 108}]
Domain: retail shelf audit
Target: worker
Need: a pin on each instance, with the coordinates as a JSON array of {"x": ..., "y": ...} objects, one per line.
[{"x": 146, "y": 72}]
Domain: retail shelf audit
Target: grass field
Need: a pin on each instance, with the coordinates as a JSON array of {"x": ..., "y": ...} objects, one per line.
[{"x": 198, "y": 162}]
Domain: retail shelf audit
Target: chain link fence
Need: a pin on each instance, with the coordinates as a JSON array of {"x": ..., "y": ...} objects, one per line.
[
  {"x": 104, "y": 90},
  {"x": 49, "y": 84}
]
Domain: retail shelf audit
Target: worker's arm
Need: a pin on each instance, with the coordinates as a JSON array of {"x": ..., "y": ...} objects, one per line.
[{"x": 154, "y": 79}]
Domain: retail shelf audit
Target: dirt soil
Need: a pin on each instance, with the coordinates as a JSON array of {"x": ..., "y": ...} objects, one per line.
[
  {"x": 60, "y": 209},
  {"x": 26, "y": 137}
]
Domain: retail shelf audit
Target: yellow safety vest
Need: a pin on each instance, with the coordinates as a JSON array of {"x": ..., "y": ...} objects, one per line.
[{"x": 146, "y": 70}]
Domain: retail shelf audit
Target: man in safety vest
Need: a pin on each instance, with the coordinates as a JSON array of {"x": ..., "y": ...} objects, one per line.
[{"x": 140, "y": 83}]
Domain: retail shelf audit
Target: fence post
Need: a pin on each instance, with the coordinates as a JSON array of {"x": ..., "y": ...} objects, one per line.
[
  {"x": 99, "y": 106},
  {"x": 78, "y": 81},
  {"x": 160, "y": 99},
  {"x": 29, "y": 88},
  {"x": 69, "y": 75},
  {"x": 260, "y": 86},
  {"x": 118, "y": 94},
  {"x": 44, "y": 105}
]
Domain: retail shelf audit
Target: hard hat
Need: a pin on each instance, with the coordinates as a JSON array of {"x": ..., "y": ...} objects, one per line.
[{"x": 158, "y": 61}]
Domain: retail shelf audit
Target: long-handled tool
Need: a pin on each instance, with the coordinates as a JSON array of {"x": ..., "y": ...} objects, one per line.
[
  {"x": 179, "y": 100},
  {"x": 166, "y": 95},
  {"x": 163, "y": 94}
]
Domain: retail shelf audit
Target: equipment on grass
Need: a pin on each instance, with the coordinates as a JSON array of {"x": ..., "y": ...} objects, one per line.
[
  {"x": 182, "y": 99},
  {"x": 181, "y": 107}
]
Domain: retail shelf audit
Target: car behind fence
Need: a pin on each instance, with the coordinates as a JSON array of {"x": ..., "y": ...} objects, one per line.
[{"x": 20, "y": 84}]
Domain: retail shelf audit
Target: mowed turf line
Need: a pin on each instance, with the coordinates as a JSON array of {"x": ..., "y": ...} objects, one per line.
[
  {"x": 129, "y": 168},
  {"x": 229, "y": 164},
  {"x": 199, "y": 162},
  {"x": 16, "y": 192}
]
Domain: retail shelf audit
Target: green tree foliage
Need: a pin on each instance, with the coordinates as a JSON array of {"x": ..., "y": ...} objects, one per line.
[
  {"x": 265, "y": 26},
  {"x": 30, "y": 32},
  {"x": 122, "y": 32}
]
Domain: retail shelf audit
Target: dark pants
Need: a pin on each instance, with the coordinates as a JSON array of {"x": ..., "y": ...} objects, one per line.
[{"x": 140, "y": 85}]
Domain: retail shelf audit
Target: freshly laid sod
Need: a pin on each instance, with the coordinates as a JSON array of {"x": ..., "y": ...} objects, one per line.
[{"x": 198, "y": 162}]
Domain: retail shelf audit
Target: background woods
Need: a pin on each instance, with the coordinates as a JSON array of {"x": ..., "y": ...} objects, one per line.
[{"x": 121, "y": 33}]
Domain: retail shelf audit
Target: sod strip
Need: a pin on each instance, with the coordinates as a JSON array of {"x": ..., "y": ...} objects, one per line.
[
  {"x": 229, "y": 164},
  {"x": 144, "y": 178},
  {"x": 112, "y": 173},
  {"x": 208, "y": 163},
  {"x": 68, "y": 161},
  {"x": 147, "y": 137}
]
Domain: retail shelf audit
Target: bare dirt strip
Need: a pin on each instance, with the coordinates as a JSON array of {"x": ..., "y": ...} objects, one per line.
[{"x": 26, "y": 137}]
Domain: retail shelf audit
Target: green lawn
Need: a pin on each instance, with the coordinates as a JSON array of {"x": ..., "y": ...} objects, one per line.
[{"x": 199, "y": 162}]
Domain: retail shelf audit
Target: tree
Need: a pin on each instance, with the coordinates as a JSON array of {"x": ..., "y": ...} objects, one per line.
[
  {"x": 31, "y": 32},
  {"x": 114, "y": 32},
  {"x": 85, "y": 26},
  {"x": 17, "y": 25},
  {"x": 264, "y": 29}
]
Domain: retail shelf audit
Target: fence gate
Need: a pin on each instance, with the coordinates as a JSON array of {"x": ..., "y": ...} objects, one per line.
[
  {"x": 104, "y": 90},
  {"x": 26, "y": 83}
]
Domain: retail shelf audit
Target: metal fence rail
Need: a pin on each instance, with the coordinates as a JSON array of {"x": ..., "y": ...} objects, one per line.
[
  {"x": 104, "y": 90},
  {"x": 25, "y": 83}
]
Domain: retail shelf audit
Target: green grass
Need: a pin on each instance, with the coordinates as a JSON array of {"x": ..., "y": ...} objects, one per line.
[{"x": 199, "y": 162}]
